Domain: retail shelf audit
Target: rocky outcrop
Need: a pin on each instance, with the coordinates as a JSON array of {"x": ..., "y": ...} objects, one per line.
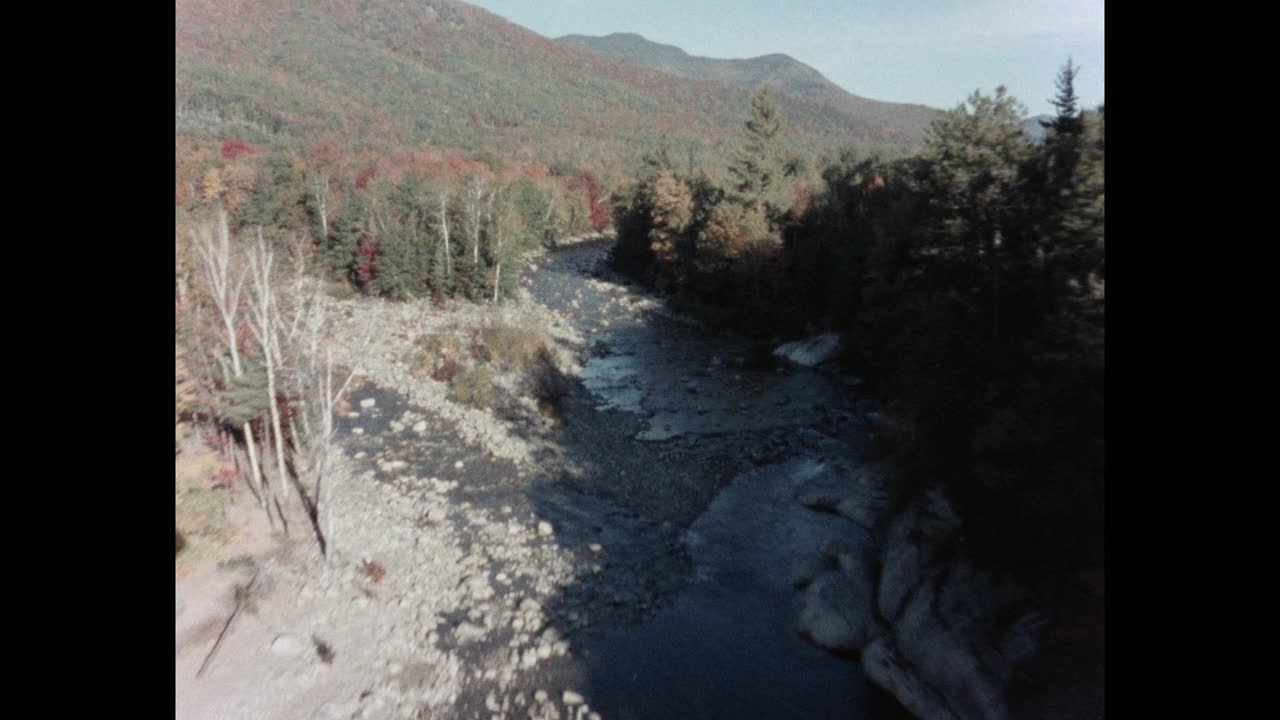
[
  {"x": 933, "y": 630},
  {"x": 856, "y": 494},
  {"x": 836, "y": 612},
  {"x": 810, "y": 352}
]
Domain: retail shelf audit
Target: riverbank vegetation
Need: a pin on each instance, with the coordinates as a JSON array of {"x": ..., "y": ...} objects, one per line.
[
  {"x": 268, "y": 237},
  {"x": 969, "y": 276}
]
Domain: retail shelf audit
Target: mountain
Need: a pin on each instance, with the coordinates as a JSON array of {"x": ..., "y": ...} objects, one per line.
[
  {"x": 783, "y": 72},
  {"x": 398, "y": 73}
]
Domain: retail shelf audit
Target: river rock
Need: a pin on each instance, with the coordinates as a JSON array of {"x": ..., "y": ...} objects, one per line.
[
  {"x": 938, "y": 518},
  {"x": 885, "y": 669},
  {"x": 950, "y": 647},
  {"x": 945, "y": 661},
  {"x": 368, "y": 403},
  {"x": 822, "y": 493},
  {"x": 468, "y": 632},
  {"x": 837, "y": 612},
  {"x": 901, "y": 566},
  {"x": 811, "y": 352},
  {"x": 805, "y": 569},
  {"x": 572, "y": 698},
  {"x": 478, "y": 587},
  {"x": 288, "y": 645}
]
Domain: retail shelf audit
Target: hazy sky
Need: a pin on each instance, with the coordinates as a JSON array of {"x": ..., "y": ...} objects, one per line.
[{"x": 934, "y": 52}]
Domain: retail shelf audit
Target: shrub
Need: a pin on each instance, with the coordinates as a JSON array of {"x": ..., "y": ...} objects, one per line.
[
  {"x": 510, "y": 347},
  {"x": 339, "y": 289},
  {"x": 475, "y": 387},
  {"x": 440, "y": 357},
  {"x": 546, "y": 384}
]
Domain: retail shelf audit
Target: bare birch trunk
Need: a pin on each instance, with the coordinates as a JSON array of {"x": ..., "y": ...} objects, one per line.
[
  {"x": 217, "y": 266},
  {"x": 497, "y": 259},
  {"x": 293, "y": 436},
  {"x": 322, "y": 200},
  {"x": 262, "y": 302},
  {"x": 444, "y": 231},
  {"x": 257, "y": 472}
]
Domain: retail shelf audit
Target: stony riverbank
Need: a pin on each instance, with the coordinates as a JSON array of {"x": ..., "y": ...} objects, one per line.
[{"x": 631, "y": 557}]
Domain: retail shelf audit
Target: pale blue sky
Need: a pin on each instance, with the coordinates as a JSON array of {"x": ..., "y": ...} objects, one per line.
[{"x": 933, "y": 52}]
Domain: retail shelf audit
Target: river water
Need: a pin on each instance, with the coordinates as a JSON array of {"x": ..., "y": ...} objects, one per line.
[
  {"x": 679, "y": 455},
  {"x": 727, "y": 644}
]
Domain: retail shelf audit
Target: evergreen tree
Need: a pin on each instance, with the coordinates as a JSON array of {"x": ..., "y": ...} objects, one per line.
[
  {"x": 338, "y": 251},
  {"x": 1068, "y": 120},
  {"x": 278, "y": 202},
  {"x": 759, "y": 166},
  {"x": 974, "y": 181}
]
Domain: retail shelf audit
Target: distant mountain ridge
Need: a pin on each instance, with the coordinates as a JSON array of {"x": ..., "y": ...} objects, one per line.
[
  {"x": 398, "y": 73},
  {"x": 783, "y": 72},
  {"x": 1035, "y": 131}
]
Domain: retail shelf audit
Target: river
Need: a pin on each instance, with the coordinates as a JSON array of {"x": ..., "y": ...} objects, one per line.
[{"x": 679, "y": 454}]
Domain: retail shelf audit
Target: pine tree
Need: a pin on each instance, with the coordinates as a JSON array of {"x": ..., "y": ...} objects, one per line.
[
  {"x": 973, "y": 177},
  {"x": 759, "y": 163},
  {"x": 1068, "y": 119},
  {"x": 339, "y": 249}
]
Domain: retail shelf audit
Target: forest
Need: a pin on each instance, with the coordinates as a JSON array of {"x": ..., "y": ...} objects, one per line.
[
  {"x": 965, "y": 274},
  {"x": 970, "y": 277}
]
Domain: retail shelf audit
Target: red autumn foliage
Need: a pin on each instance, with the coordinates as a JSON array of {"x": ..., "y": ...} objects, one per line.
[
  {"x": 457, "y": 164},
  {"x": 588, "y": 183},
  {"x": 362, "y": 180},
  {"x": 367, "y": 267},
  {"x": 600, "y": 215},
  {"x": 802, "y": 199},
  {"x": 232, "y": 149}
]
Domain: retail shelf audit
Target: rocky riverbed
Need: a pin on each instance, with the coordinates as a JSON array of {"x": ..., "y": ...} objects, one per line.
[{"x": 636, "y": 555}]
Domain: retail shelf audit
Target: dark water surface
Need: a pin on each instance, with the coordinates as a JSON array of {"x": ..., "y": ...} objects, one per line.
[{"x": 727, "y": 645}]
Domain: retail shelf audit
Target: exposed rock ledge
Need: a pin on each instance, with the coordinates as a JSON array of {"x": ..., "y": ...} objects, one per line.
[
  {"x": 939, "y": 635},
  {"x": 810, "y": 352}
]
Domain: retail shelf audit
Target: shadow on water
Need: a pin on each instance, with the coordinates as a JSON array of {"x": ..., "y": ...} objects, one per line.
[{"x": 673, "y": 503}]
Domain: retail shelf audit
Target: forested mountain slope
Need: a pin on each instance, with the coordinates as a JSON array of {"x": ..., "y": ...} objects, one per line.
[
  {"x": 402, "y": 72},
  {"x": 902, "y": 122}
]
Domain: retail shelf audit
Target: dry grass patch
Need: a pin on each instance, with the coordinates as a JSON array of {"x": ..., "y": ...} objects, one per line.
[{"x": 200, "y": 508}]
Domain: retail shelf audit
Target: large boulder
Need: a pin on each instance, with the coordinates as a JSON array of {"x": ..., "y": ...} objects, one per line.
[
  {"x": 883, "y": 666},
  {"x": 901, "y": 568},
  {"x": 837, "y": 612},
  {"x": 805, "y": 569},
  {"x": 856, "y": 494},
  {"x": 938, "y": 517},
  {"x": 951, "y": 646},
  {"x": 810, "y": 352},
  {"x": 946, "y": 661}
]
